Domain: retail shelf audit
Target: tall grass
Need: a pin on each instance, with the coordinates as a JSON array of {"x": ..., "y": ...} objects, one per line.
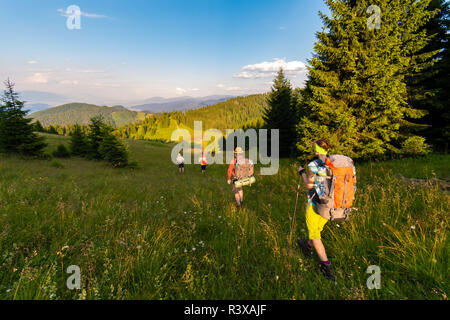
[{"x": 151, "y": 233}]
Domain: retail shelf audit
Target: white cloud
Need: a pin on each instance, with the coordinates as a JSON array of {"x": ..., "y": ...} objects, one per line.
[
  {"x": 101, "y": 84},
  {"x": 83, "y": 14},
  {"x": 269, "y": 69},
  {"x": 254, "y": 75},
  {"x": 281, "y": 28},
  {"x": 180, "y": 90},
  {"x": 233, "y": 89},
  {"x": 220, "y": 86},
  {"x": 195, "y": 89},
  {"x": 32, "y": 62},
  {"x": 38, "y": 78},
  {"x": 69, "y": 82},
  {"x": 86, "y": 70}
]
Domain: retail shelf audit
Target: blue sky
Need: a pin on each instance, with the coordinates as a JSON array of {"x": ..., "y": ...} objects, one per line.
[{"x": 132, "y": 50}]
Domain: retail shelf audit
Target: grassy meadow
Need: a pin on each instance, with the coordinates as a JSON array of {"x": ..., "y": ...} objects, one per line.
[{"x": 151, "y": 233}]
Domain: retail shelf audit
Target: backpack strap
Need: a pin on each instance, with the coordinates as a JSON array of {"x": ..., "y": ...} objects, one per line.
[{"x": 345, "y": 190}]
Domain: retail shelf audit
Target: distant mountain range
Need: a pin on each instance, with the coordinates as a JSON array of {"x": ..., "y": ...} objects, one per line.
[
  {"x": 158, "y": 104},
  {"x": 40, "y": 100}
]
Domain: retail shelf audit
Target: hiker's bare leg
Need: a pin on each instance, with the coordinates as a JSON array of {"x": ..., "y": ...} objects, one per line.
[
  {"x": 320, "y": 249},
  {"x": 238, "y": 198},
  {"x": 241, "y": 195}
]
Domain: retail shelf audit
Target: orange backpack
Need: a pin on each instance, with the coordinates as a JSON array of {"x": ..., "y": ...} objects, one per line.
[{"x": 340, "y": 187}]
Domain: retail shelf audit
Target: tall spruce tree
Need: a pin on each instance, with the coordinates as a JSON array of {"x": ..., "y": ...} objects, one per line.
[
  {"x": 356, "y": 94},
  {"x": 96, "y": 132},
  {"x": 16, "y": 131},
  {"x": 280, "y": 113},
  {"x": 78, "y": 142},
  {"x": 430, "y": 89},
  {"x": 113, "y": 150}
]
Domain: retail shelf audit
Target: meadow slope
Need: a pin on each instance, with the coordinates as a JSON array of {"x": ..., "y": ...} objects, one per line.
[{"x": 150, "y": 233}]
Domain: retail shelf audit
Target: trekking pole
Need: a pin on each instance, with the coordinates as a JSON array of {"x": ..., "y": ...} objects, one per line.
[{"x": 295, "y": 209}]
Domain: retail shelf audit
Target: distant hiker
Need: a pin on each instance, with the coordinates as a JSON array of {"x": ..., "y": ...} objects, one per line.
[
  {"x": 240, "y": 173},
  {"x": 315, "y": 183},
  {"x": 180, "y": 162},
  {"x": 203, "y": 162}
]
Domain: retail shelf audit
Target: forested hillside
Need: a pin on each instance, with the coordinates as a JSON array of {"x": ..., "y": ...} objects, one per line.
[
  {"x": 240, "y": 112},
  {"x": 80, "y": 113}
]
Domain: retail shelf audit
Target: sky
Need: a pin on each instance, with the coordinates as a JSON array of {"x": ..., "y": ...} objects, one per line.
[{"x": 132, "y": 50}]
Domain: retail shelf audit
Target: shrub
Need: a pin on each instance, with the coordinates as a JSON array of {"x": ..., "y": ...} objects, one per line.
[
  {"x": 61, "y": 152},
  {"x": 56, "y": 164}
]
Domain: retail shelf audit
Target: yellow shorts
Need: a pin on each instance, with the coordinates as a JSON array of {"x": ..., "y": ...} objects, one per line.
[{"x": 314, "y": 222}]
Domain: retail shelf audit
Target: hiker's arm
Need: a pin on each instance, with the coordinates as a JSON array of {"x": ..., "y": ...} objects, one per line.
[
  {"x": 309, "y": 181},
  {"x": 230, "y": 171}
]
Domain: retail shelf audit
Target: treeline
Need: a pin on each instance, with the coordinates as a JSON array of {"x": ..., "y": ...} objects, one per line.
[
  {"x": 241, "y": 112},
  {"x": 373, "y": 90},
  {"x": 231, "y": 114}
]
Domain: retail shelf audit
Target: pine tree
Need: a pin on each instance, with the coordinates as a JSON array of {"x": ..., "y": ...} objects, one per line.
[
  {"x": 96, "y": 133},
  {"x": 356, "y": 94},
  {"x": 78, "y": 142},
  {"x": 430, "y": 89},
  {"x": 16, "y": 131},
  {"x": 280, "y": 113},
  {"x": 38, "y": 126},
  {"x": 113, "y": 150}
]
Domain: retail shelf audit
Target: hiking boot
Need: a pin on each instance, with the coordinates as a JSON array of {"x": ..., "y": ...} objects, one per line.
[
  {"x": 327, "y": 271},
  {"x": 307, "y": 251}
]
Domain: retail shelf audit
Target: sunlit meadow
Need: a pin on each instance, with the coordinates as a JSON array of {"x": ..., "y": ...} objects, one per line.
[{"x": 151, "y": 233}]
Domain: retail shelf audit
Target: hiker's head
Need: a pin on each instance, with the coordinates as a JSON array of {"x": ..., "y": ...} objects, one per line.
[
  {"x": 238, "y": 152},
  {"x": 321, "y": 147}
]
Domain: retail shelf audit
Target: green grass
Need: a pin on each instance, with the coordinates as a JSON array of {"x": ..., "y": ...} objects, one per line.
[{"x": 133, "y": 232}]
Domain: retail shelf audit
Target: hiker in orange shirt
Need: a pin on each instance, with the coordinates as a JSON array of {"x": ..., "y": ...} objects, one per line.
[{"x": 203, "y": 162}]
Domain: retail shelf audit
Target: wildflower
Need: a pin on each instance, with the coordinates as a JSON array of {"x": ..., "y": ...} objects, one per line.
[
  {"x": 52, "y": 295},
  {"x": 8, "y": 290},
  {"x": 139, "y": 247},
  {"x": 337, "y": 225},
  {"x": 193, "y": 249},
  {"x": 277, "y": 277},
  {"x": 185, "y": 250},
  {"x": 220, "y": 217},
  {"x": 413, "y": 227}
]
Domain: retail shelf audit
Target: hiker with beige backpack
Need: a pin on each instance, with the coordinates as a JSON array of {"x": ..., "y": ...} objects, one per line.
[{"x": 240, "y": 174}]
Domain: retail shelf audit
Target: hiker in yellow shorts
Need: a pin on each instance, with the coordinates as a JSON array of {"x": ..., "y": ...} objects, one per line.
[{"x": 315, "y": 183}]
